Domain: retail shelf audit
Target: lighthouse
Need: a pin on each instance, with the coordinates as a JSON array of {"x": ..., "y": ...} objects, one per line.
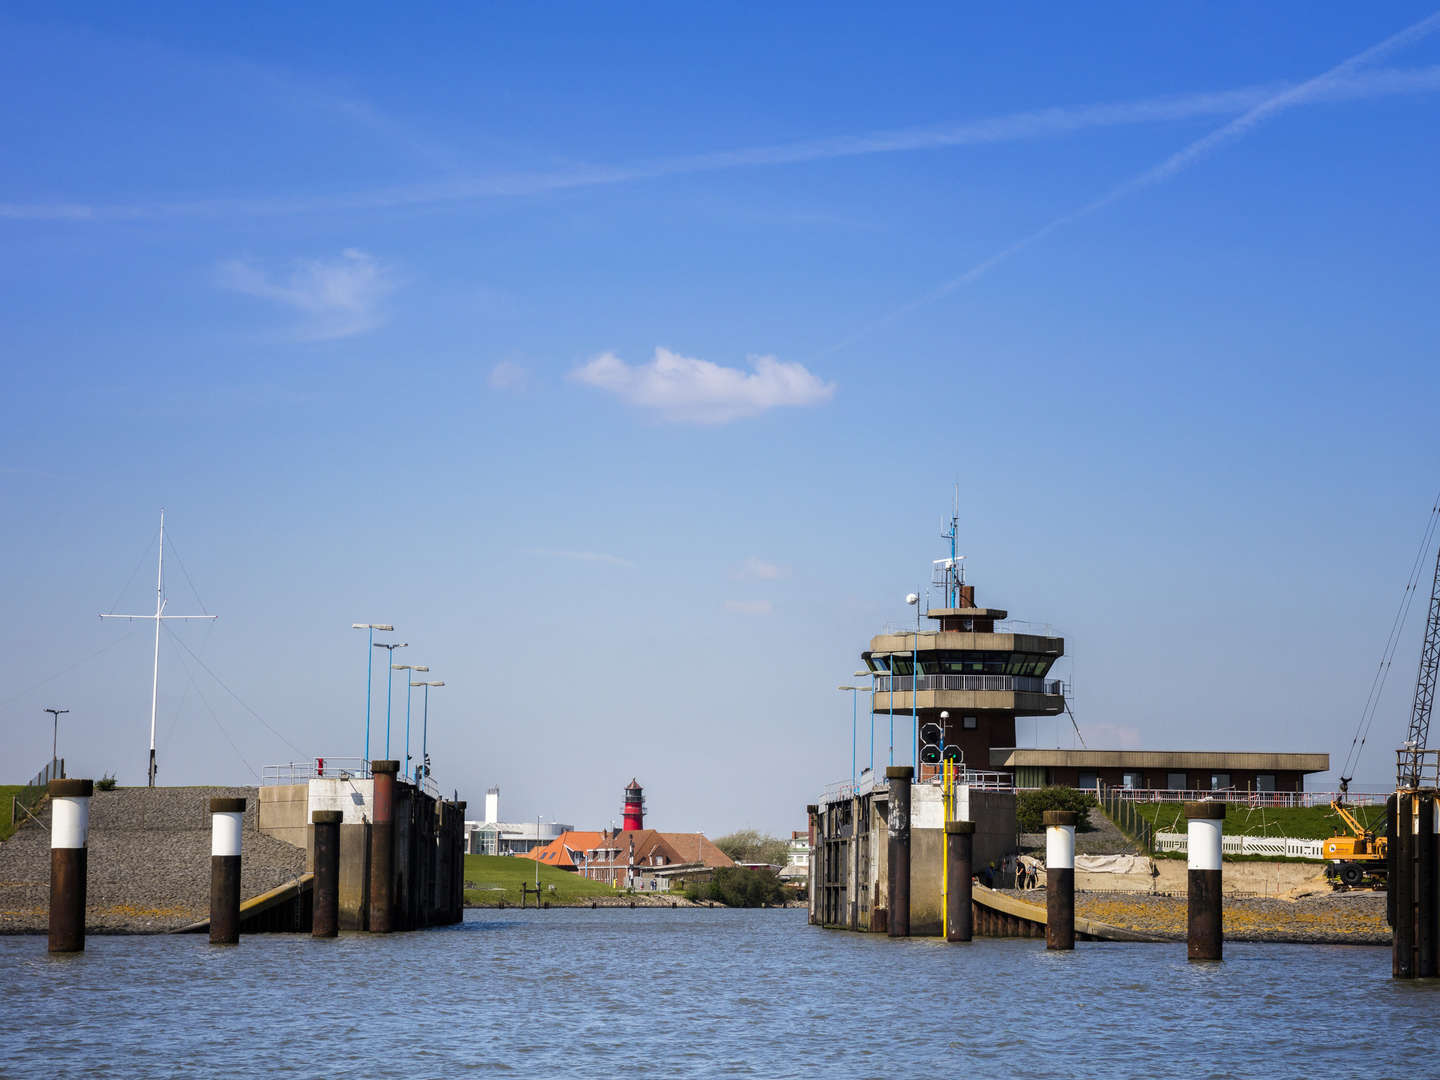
[{"x": 634, "y": 806}]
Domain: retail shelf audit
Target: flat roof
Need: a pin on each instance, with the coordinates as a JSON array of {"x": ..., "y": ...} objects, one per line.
[{"x": 1009, "y": 757}]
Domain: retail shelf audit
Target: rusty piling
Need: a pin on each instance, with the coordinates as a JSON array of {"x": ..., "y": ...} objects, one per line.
[
  {"x": 382, "y": 847},
  {"x": 959, "y": 869},
  {"x": 899, "y": 848},
  {"x": 325, "y": 915}
]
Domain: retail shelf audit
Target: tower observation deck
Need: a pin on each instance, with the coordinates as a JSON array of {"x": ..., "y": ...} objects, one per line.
[{"x": 963, "y": 681}]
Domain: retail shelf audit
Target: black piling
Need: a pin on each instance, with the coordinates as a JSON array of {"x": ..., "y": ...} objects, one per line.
[
  {"x": 959, "y": 869},
  {"x": 1414, "y": 880},
  {"x": 325, "y": 921},
  {"x": 1059, "y": 879},
  {"x": 382, "y": 847},
  {"x": 227, "y": 818},
  {"x": 69, "y": 835},
  {"x": 899, "y": 848},
  {"x": 1205, "y": 936}
]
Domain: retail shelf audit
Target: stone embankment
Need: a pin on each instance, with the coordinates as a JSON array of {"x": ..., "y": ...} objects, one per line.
[
  {"x": 1330, "y": 918},
  {"x": 149, "y": 862}
]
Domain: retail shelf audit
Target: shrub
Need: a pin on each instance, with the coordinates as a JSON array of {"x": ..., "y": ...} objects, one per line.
[
  {"x": 106, "y": 782},
  {"x": 1032, "y": 804},
  {"x": 736, "y": 886}
]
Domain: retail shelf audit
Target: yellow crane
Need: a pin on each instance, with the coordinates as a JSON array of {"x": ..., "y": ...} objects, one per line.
[{"x": 1355, "y": 858}]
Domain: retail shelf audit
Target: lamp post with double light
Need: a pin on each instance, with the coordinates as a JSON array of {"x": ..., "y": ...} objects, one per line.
[
  {"x": 424, "y": 769},
  {"x": 390, "y": 646}
]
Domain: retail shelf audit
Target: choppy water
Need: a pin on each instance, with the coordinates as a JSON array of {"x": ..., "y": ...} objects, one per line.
[{"x": 684, "y": 993}]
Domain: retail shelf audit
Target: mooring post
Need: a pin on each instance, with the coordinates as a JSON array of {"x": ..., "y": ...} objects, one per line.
[
  {"x": 1059, "y": 879},
  {"x": 1204, "y": 939},
  {"x": 227, "y": 816},
  {"x": 382, "y": 847},
  {"x": 899, "y": 848},
  {"x": 69, "y": 833},
  {"x": 959, "y": 860},
  {"x": 325, "y": 906}
]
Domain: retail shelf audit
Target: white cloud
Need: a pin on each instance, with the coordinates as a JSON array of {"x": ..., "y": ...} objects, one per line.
[
  {"x": 586, "y": 556},
  {"x": 508, "y": 376},
  {"x": 748, "y": 607},
  {"x": 753, "y": 569},
  {"x": 685, "y": 389},
  {"x": 339, "y": 297}
]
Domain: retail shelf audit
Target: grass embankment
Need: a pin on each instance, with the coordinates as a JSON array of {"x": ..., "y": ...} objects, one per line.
[
  {"x": 8, "y": 792},
  {"x": 492, "y": 878},
  {"x": 1303, "y": 823}
]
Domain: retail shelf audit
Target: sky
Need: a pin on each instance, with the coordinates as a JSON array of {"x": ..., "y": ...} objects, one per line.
[{"x": 626, "y": 360}]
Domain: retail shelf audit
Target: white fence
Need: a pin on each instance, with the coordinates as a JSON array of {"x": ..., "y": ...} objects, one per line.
[{"x": 1287, "y": 847}]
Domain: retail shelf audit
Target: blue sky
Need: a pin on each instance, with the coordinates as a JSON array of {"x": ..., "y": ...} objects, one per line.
[{"x": 625, "y": 361}]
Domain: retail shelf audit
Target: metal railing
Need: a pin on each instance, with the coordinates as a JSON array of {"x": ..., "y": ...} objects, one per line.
[
  {"x": 54, "y": 770},
  {"x": 1417, "y": 768},
  {"x": 1241, "y": 797},
  {"x": 1024, "y": 684},
  {"x": 1283, "y": 847},
  {"x": 1123, "y": 813},
  {"x": 333, "y": 768}
]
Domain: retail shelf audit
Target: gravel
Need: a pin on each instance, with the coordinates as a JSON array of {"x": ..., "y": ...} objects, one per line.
[{"x": 149, "y": 862}]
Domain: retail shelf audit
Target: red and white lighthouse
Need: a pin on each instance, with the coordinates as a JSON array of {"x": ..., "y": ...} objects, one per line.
[{"x": 634, "y": 806}]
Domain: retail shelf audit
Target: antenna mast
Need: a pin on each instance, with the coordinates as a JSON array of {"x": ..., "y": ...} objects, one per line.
[
  {"x": 950, "y": 573},
  {"x": 159, "y": 617}
]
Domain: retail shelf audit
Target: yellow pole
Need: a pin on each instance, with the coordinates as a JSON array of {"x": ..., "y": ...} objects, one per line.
[{"x": 947, "y": 798}]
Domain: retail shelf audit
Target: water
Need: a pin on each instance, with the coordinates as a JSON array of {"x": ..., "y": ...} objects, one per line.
[{"x": 698, "y": 993}]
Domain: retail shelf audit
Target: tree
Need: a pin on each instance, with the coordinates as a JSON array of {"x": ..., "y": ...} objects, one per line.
[
  {"x": 737, "y": 886},
  {"x": 752, "y": 846},
  {"x": 1031, "y": 805}
]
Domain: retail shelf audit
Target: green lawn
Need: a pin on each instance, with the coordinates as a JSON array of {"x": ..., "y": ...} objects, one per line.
[
  {"x": 492, "y": 878},
  {"x": 1308, "y": 823},
  {"x": 29, "y": 796}
]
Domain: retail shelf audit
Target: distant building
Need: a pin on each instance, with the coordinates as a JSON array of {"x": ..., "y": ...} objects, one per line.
[
  {"x": 797, "y": 865},
  {"x": 1174, "y": 772},
  {"x": 495, "y": 837},
  {"x": 635, "y": 858}
]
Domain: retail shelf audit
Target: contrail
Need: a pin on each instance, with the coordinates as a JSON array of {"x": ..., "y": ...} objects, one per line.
[
  {"x": 1054, "y": 122},
  {"x": 1312, "y": 90}
]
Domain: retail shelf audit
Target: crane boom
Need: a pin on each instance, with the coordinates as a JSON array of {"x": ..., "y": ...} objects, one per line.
[{"x": 1419, "y": 734}]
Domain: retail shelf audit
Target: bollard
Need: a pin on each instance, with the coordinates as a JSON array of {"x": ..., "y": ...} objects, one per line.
[
  {"x": 226, "y": 818},
  {"x": 1204, "y": 940},
  {"x": 1059, "y": 879},
  {"x": 69, "y": 832},
  {"x": 899, "y": 848},
  {"x": 382, "y": 847},
  {"x": 325, "y": 920},
  {"x": 959, "y": 866}
]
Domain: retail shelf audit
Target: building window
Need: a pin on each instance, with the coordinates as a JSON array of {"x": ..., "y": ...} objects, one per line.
[
  {"x": 1219, "y": 780},
  {"x": 1264, "y": 781},
  {"x": 969, "y": 723},
  {"x": 1085, "y": 781},
  {"x": 1176, "y": 781},
  {"x": 1132, "y": 780}
]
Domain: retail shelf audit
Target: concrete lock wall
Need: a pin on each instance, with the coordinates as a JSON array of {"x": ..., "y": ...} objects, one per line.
[{"x": 428, "y": 885}]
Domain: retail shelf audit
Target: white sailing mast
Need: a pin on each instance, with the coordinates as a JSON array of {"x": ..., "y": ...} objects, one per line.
[{"x": 159, "y": 616}]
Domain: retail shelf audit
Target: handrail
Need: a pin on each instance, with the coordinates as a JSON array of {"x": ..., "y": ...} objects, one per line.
[{"x": 1024, "y": 684}]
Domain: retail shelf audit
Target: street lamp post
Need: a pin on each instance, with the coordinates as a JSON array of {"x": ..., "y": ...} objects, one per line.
[
  {"x": 389, "y": 671},
  {"x": 914, "y": 600},
  {"x": 425, "y": 730},
  {"x": 369, "y": 680},
  {"x": 55, "y": 732},
  {"x": 854, "y": 693},
  {"x": 867, "y": 673},
  {"x": 408, "y": 685}
]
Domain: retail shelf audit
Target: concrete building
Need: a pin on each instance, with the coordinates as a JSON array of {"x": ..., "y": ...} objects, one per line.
[
  {"x": 962, "y": 685},
  {"x": 1177, "y": 774},
  {"x": 633, "y": 858},
  {"x": 495, "y": 837}
]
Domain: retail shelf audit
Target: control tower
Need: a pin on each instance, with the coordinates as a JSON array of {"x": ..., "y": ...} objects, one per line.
[{"x": 962, "y": 679}]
